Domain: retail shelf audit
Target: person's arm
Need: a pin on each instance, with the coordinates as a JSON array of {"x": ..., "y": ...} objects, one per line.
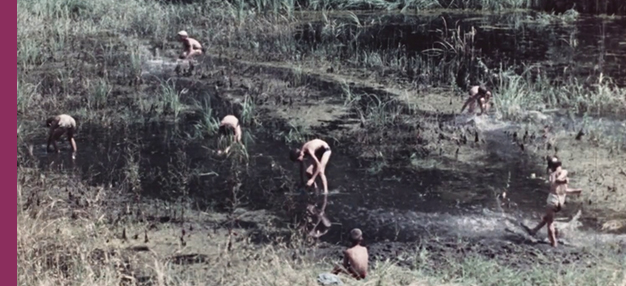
[
  {"x": 238, "y": 133},
  {"x": 574, "y": 191},
  {"x": 562, "y": 178},
  {"x": 342, "y": 268}
]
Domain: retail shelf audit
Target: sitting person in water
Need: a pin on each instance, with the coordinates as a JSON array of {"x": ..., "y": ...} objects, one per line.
[{"x": 58, "y": 126}]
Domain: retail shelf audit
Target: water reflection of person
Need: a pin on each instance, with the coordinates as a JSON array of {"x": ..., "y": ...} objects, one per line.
[
  {"x": 556, "y": 198},
  {"x": 58, "y": 126},
  {"x": 478, "y": 95},
  {"x": 319, "y": 151},
  {"x": 229, "y": 127},
  {"x": 320, "y": 222},
  {"x": 355, "y": 258}
]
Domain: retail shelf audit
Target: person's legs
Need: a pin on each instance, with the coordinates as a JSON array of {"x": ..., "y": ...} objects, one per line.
[
  {"x": 191, "y": 58},
  {"x": 544, "y": 220},
  {"x": 323, "y": 163},
  {"x": 56, "y": 136},
  {"x": 481, "y": 103},
  {"x": 195, "y": 53},
  {"x": 534, "y": 230},
  {"x": 70, "y": 138},
  {"x": 471, "y": 106},
  {"x": 552, "y": 232}
]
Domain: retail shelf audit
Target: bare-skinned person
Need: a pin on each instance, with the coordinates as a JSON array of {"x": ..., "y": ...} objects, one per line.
[
  {"x": 229, "y": 128},
  {"x": 480, "y": 96},
  {"x": 556, "y": 198},
  {"x": 355, "y": 258},
  {"x": 319, "y": 152},
  {"x": 58, "y": 126},
  {"x": 191, "y": 48}
]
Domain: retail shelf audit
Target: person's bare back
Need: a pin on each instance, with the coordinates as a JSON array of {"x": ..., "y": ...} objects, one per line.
[
  {"x": 355, "y": 258},
  {"x": 229, "y": 126},
  {"x": 58, "y": 126}
]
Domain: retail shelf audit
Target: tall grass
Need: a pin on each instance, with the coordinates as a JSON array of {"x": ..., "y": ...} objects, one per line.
[
  {"x": 517, "y": 94},
  {"x": 298, "y": 132},
  {"x": 209, "y": 123},
  {"x": 99, "y": 95},
  {"x": 169, "y": 99}
]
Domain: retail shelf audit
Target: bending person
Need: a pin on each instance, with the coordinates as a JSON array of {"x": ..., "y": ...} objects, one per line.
[
  {"x": 229, "y": 129},
  {"x": 318, "y": 151}
]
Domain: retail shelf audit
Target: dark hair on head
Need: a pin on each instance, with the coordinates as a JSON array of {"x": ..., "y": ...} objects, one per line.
[
  {"x": 294, "y": 154},
  {"x": 553, "y": 162},
  {"x": 49, "y": 120}
]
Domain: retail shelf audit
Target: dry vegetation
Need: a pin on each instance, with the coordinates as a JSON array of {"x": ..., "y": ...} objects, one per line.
[{"x": 87, "y": 59}]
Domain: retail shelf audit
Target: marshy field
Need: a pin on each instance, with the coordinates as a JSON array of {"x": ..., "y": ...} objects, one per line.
[{"x": 437, "y": 193}]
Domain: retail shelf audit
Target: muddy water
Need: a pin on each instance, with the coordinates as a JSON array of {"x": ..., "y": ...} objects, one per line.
[{"x": 587, "y": 45}]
